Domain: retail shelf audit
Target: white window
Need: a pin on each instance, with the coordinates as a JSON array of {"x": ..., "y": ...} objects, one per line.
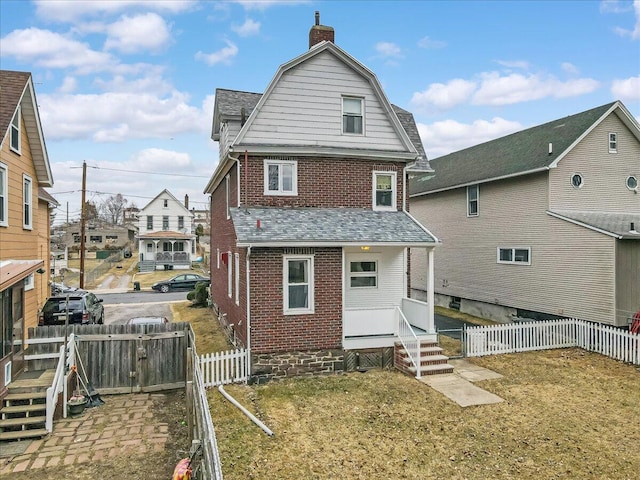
[
  {"x": 15, "y": 132},
  {"x": 236, "y": 262},
  {"x": 298, "y": 284},
  {"x": 165, "y": 203},
  {"x": 352, "y": 115},
  {"x": 27, "y": 194},
  {"x": 226, "y": 184},
  {"x": 180, "y": 223},
  {"x": 229, "y": 276},
  {"x": 165, "y": 222},
  {"x": 4, "y": 195},
  {"x": 516, "y": 255},
  {"x": 473, "y": 194},
  {"x": 613, "y": 143},
  {"x": 384, "y": 190},
  {"x": 149, "y": 222},
  {"x": 280, "y": 177},
  {"x": 363, "y": 274},
  {"x": 29, "y": 283}
]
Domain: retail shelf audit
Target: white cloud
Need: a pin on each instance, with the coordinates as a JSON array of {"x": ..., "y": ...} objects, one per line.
[
  {"x": 120, "y": 116},
  {"x": 521, "y": 64},
  {"x": 440, "y": 96},
  {"x": 52, "y": 50},
  {"x": 613, "y": 6},
  {"x": 248, "y": 28},
  {"x": 264, "y": 4},
  {"x": 158, "y": 159},
  {"x": 516, "y": 88},
  {"x": 69, "y": 85},
  {"x": 138, "y": 33},
  {"x": 569, "y": 68},
  {"x": 388, "y": 50},
  {"x": 72, "y": 10},
  {"x": 627, "y": 89},
  {"x": 426, "y": 42},
  {"x": 151, "y": 82},
  {"x": 224, "y": 55},
  {"x": 443, "y": 137},
  {"x": 635, "y": 33}
]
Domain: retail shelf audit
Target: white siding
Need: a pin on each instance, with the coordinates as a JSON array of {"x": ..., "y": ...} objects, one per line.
[
  {"x": 157, "y": 210},
  {"x": 572, "y": 268},
  {"x": 604, "y": 173},
  {"x": 305, "y": 109},
  {"x": 389, "y": 292}
]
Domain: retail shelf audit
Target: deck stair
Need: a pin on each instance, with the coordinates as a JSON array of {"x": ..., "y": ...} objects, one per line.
[
  {"x": 432, "y": 361},
  {"x": 146, "y": 266},
  {"x": 23, "y": 409}
]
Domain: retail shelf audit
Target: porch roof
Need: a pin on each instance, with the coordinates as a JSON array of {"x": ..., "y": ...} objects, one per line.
[
  {"x": 613, "y": 224},
  {"x": 12, "y": 271},
  {"x": 327, "y": 227},
  {"x": 166, "y": 235}
]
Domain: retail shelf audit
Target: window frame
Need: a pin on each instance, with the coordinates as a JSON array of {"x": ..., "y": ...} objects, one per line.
[
  {"x": 294, "y": 178},
  {"x": 180, "y": 222},
  {"x": 165, "y": 222},
  {"x": 165, "y": 203},
  {"x": 149, "y": 222},
  {"x": 513, "y": 260},
  {"x": 477, "y": 200},
  {"x": 29, "y": 282},
  {"x": 394, "y": 191},
  {"x": 613, "y": 140},
  {"x": 227, "y": 187},
  {"x": 229, "y": 276},
  {"x": 4, "y": 195},
  {"x": 345, "y": 115},
  {"x": 635, "y": 179},
  {"x": 236, "y": 264},
  {"x": 364, "y": 274},
  {"x": 27, "y": 202},
  {"x": 577, "y": 175},
  {"x": 15, "y": 127},
  {"x": 310, "y": 308}
]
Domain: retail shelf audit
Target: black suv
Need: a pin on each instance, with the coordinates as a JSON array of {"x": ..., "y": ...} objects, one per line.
[{"x": 84, "y": 308}]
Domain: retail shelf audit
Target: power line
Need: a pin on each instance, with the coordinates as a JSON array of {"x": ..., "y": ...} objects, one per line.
[{"x": 146, "y": 173}]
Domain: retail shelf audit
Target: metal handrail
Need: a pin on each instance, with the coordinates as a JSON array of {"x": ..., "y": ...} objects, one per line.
[{"x": 409, "y": 341}]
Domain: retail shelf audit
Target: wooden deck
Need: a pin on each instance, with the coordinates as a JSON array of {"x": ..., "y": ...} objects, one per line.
[{"x": 36, "y": 379}]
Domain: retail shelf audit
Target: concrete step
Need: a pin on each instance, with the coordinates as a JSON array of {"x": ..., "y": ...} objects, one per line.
[
  {"x": 16, "y": 422},
  {"x": 22, "y": 434}
]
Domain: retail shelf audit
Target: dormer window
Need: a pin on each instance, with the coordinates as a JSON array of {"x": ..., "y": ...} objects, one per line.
[
  {"x": 15, "y": 132},
  {"x": 613, "y": 143},
  {"x": 384, "y": 191},
  {"x": 352, "y": 115},
  {"x": 280, "y": 177}
]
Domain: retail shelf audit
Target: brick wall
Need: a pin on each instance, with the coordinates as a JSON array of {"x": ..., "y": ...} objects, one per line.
[{"x": 271, "y": 329}]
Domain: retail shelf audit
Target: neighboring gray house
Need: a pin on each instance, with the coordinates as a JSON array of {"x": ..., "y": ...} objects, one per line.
[
  {"x": 543, "y": 221},
  {"x": 165, "y": 240}
]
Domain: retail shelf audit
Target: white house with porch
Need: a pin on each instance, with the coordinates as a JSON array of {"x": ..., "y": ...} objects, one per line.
[{"x": 165, "y": 241}]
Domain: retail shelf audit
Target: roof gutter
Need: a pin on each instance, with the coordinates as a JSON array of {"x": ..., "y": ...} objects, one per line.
[
  {"x": 312, "y": 243},
  {"x": 585, "y": 225}
]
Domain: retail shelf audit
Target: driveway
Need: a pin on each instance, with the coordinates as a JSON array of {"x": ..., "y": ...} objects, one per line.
[
  {"x": 120, "y": 307},
  {"x": 447, "y": 323}
]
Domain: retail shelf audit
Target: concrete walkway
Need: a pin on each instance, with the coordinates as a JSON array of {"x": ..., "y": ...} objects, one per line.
[
  {"x": 458, "y": 385},
  {"x": 124, "y": 425}
]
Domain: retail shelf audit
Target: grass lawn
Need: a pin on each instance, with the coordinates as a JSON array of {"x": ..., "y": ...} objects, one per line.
[
  {"x": 208, "y": 332},
  {"x": 567, "y": 414}
]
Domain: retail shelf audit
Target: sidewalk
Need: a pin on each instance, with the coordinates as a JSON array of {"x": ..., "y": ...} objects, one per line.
[{"x": 125, "y": 425}]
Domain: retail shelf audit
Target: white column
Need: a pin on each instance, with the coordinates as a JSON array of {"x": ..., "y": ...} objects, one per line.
[{"x": 431, "y": 328}]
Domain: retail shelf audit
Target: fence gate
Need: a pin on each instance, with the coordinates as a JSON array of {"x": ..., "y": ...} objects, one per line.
[{"x": 453, "y": 341}]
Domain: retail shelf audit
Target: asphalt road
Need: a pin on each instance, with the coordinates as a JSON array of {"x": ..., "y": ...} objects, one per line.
[{"x": 120, "y": 307}]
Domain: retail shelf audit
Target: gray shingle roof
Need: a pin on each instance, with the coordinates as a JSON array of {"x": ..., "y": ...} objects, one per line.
[
  {"x": 336, "y": 226},
  {"x": 510, "y": 155},
  {"x": 12, "y": 85},
  {"x": 616, "y": 223},
  {"x": 230, "y": 103}
]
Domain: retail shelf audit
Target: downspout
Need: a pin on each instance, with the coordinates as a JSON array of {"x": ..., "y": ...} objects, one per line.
[
  {"x": 248, "y": 269},
  {"x": 246, "y": 179}
]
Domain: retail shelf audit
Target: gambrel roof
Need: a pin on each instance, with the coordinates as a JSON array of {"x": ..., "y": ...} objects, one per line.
[
  {"x": 520, "y": 153},
  {"x": 16, "y": 90},
  {"x": 270, "y": 226}
]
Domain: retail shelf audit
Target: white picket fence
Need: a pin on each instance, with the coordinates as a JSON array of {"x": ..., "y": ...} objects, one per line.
[
  {"x": 567, "y": 332},
  {"x": 221, "y": 368}
]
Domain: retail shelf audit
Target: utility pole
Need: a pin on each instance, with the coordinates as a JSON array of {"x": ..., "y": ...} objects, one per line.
[{"x": 82, "y": 222}]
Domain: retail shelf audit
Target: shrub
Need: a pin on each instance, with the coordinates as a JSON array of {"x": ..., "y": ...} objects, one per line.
[{"x": 200, "y": 295}]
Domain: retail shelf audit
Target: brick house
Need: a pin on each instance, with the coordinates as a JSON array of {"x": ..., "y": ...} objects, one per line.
[{"x": 310, "y": 234}]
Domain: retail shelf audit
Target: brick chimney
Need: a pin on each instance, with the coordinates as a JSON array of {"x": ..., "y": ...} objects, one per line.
[
  {"x": 318, "y": 33},
  {"x": 186, "y": 201}
]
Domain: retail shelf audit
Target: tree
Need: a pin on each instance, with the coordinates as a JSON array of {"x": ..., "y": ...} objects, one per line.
[
  {"x": 112, "y": 209},
  {"x": 90, "y": 211}
]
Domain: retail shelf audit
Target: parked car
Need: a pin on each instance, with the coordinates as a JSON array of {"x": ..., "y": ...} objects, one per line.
[
  {"x": 83, "y": 307},
  {"x": 58, "y": 288},
  {"x": 185, "y": 281},
  {"x": 148, "y": 321}
]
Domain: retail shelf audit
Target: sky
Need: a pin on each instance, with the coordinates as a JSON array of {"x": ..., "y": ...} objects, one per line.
[{"x": 128, "y": 86}]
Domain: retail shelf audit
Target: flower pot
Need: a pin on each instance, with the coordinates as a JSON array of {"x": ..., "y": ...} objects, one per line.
[{"x": 75, "y": 407}]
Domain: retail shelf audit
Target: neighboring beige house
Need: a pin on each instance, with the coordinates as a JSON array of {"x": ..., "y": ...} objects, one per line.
[
  {"x": 98, "y": 235},
  {"x": 165, "y": 241},
  {"x": 24, "y": 219},
  {"x": 543, "y": 222}
]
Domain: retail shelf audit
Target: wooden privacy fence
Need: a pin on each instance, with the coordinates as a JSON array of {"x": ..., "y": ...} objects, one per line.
[
  {"x": 120, "y": 358},
  {"x": 563, "y": 333},
  {"x": 221, "y": 368}
]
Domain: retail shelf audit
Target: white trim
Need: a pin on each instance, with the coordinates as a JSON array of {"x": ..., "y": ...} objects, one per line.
[
  {"x": 218, "y": 258},
  {"x": 29, "y": 282},
  {"x": 236, "y": 264},
  {"x": 229, "y": 276},
  {"x": 590, "y": 227},
  {"x": 626, "y": 182},
  {"x": 477, "y": 200},
  {"x": 315, "y": 243},
  {"x": 7, "y": 373},
  {"x": 614, "y": 141},
  {"x": 310, "y": 285},
  {"x": 266, "y": 163},
  {"x": 513, "y": 260},
  {"x": 394, "y": 191},
  {"x": 227, "y": 181},
  {"x": 16, "y": 116},
  {"x": 372, "y": 258},
  {"x": 362, "y": 103},
  {"x": 4, "y": 188},
  {"x": 577, "y": 174},
  {"x": 27, "y": 201}
]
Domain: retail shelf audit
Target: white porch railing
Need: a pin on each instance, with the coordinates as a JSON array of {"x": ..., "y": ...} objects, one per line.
[
  {"x": 417, "y": 313},
  {"x": 409, "y": 340},
  {"x": 66, "y": 358},
  {"x": 221, "y": 368}
]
